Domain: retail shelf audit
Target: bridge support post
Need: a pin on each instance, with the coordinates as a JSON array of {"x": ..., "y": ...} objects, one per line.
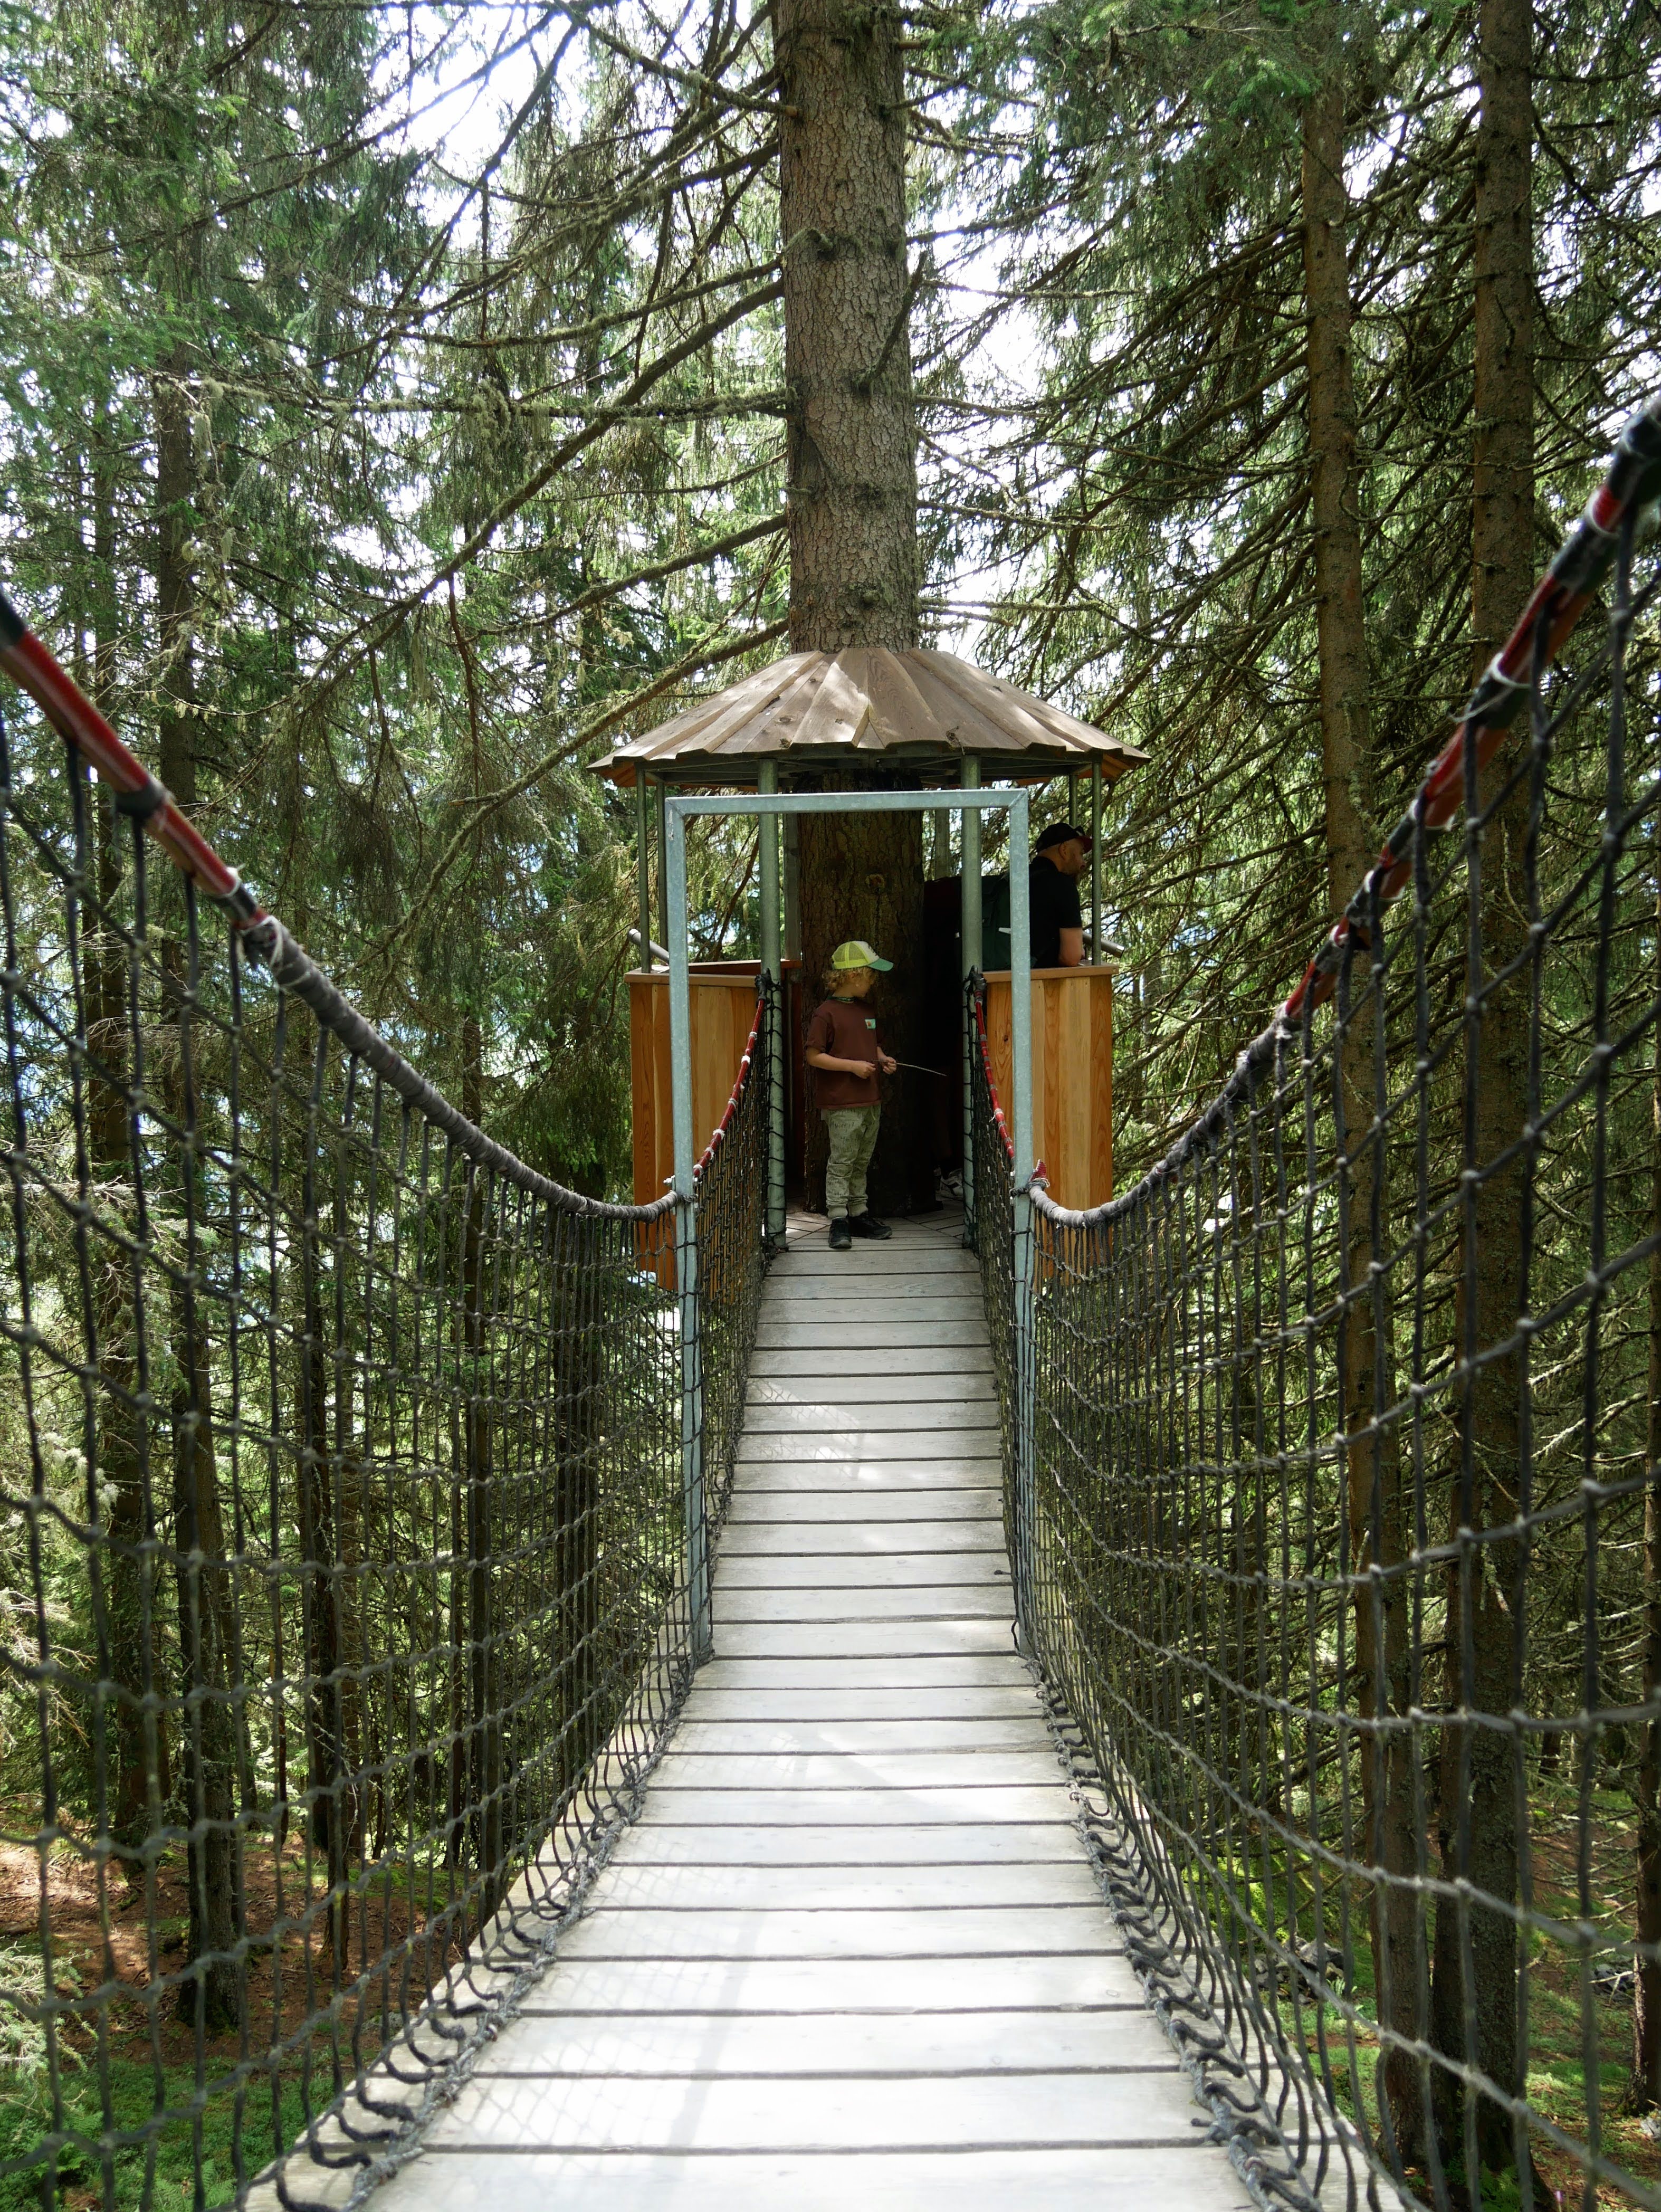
[
  {"x": 767, "y": 826},
  {"x": 1023, "y": 1472},
  {"x": 686, "y": 1244},
  {"x": 971, "y": 933}
]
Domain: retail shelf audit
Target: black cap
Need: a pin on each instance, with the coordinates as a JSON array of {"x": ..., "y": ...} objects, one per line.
[{"x": 1063, "y": 832}]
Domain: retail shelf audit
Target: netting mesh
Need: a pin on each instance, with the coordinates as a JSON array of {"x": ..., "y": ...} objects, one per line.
[
  {"x": 343, "y": 1532},
  {"x": 1344, "y": 1458}
]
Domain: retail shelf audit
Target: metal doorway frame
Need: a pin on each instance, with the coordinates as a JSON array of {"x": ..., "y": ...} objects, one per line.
[{"x": 772, "y": 805}]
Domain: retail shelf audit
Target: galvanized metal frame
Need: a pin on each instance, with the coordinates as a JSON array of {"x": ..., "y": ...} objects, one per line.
[{"x": 772, "y": 805}]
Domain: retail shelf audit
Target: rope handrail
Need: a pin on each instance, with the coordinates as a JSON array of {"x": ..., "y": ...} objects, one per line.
[
  {"x": 140, "y": 795},
  {"x": 1333, "y": 1479},
  {"x": 349, "y": 1560}
]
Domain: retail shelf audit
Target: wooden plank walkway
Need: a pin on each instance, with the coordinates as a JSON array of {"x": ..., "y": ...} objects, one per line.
[{"x": 852, "y": 1957}]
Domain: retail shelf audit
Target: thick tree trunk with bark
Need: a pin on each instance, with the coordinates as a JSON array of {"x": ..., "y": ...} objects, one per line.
[
  {"x": 1477, "y": 1961},
  {"x": 206, "y": 1628},
  {"x": 852, "y": 487},
  {"x": 1377, "y": 1518},
  {"x": 852, "y": 436},
  {"x": 1645, "y": 2092},
  {"x": 137, "y": 1750}
]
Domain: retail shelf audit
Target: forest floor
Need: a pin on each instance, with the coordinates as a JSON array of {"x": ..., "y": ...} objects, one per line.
[
  {"x": 122, "y": 2023},
  {"x": 1562, "y": 2016}
]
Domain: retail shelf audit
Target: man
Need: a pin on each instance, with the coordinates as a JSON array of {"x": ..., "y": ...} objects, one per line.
[{"x": 1057, "y": 921}]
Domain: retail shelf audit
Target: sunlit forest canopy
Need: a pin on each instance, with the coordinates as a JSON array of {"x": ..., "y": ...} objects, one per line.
[{"x": 394, "y": 414}]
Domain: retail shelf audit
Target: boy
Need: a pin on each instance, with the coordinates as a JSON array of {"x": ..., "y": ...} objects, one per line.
[{"x": 844, "y": 1051}]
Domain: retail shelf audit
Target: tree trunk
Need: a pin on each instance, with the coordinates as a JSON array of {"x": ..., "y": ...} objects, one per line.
[
  {"x": 1476, "y": 1963},
  {"x": 1378, "y": 1519},
  {"x": 205, "y": 1628},
  {"x": 1645, "y": 2092},
  {"x": 141, "y": 1781},
  {"x": 485, "y": 1724},
  {"x": 851, "y": 461}
]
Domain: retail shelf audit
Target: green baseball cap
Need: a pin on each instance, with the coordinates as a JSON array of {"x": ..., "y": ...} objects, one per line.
[{"x": 856, "y": 953}]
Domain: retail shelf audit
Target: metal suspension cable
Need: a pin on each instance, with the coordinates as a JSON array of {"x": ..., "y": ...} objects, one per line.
[
  {"x": 1336, "y": 1494},
  {"x": 343, "y": 1537}
]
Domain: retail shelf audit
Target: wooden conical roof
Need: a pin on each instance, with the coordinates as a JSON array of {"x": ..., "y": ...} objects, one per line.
[{"x": 924, "y": 709}]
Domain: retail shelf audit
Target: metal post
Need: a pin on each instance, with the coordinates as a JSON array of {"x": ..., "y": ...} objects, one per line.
[
  {"x": 766, "y": 827},
  {"x": 1096, "y": 861},
  {"x": 792, "y": 888},
  {"x": 644, "y": 863},
  {"x": 1021, "y": 1133},
  {"x": 664, "y": 931},
  {"x": 686, "y": 1240},
  {"x": 971, "y": 926}
]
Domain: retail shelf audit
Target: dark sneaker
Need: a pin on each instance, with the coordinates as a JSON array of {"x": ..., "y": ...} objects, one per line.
[
  {"x": 841, "y": 1238},
  {"x": 866, "y": 1224}
]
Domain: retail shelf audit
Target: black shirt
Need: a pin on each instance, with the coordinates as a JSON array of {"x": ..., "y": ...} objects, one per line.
[{"x": 1054, "y": 907}]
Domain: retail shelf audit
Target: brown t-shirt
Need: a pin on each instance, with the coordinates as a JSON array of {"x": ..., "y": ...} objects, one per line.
[{"x": 846, "y": 1029}]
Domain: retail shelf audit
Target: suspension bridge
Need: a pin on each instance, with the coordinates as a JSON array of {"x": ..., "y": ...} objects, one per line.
[{"x": 517, "y": 1694}]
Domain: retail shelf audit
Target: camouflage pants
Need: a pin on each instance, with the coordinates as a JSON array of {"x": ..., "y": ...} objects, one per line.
[{"x": 852, "y": 1133}]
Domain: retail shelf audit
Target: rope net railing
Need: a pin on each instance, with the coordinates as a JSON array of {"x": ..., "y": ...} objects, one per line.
[
  {"x": 343, "y": 1521},
  {"x": 1337, "y": 1499}
]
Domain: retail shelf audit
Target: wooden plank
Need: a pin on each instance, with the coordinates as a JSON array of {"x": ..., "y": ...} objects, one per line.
[
  {"x": 922, "y": 1704},
  {"x": 802, "y": 1987},
  {"x": 816, "y": 1416},
  {"x": 886, "y": 1386},
  {"x": 1075, "y": 1931},
  {"x": 878, "y": 1771},
  {"x": 901, "y": 1261},
  {"x": 914, "y": 1287},
  {"x": 848, "y": 1640},
  {"x": 837, "y": 1571},
  {"x": 696, "y": 1890},
  {"x": 1194, "y": 2179},
  {"x": 1012, "y": 1842},
  {"x": 968, "y": 1440},
  {"x": 961, "y": 1670},
  {"x": 868, "y": 1475},
  {"x": 959, "y": 2111},
  {"x": 856, "y": 1738},
  {"x": 822, "y": 1359},
  {"x": 854, "y": 1337},
  {"x": 863, "y": 1540},
  {"x": 971, "y": 1503},
  {"x": 679, "y": 2048},
  {"x": 744, "y": 1606},
  {"x": 961, "y": 1804},
  {"x": 839, "y": 1301}
]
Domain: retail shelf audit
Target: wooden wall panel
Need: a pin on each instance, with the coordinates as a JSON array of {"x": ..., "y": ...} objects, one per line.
[
  {"x": 1071, "y": 1076},
  {"x": 723, "y": 1010}
]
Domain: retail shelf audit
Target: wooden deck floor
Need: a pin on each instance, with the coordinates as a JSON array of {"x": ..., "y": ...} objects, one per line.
[{"x": 852, "y": 1957}]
